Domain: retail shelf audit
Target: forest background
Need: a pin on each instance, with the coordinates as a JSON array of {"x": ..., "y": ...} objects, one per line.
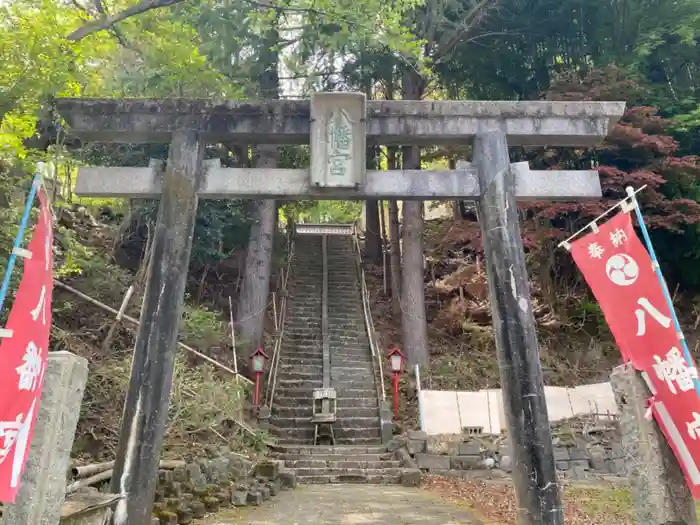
[{"x": 645, "y": 52}]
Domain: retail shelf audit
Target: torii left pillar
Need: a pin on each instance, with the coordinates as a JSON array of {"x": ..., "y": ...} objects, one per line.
[{"x": 146, "y": 409}]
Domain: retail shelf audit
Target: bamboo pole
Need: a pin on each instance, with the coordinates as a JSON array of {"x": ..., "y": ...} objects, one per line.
[
  {"x": 86, "y": 471},
  {"x": 136, "y": 322}
]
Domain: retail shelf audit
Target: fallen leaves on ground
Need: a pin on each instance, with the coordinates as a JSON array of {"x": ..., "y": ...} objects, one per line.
[{"x": 494, "y": 501}]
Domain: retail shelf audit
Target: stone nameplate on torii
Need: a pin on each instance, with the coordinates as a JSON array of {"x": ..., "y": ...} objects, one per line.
[{"x": 338, "y": 140}]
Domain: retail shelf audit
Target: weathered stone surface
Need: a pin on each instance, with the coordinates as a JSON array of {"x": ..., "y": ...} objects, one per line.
[
  {"x": 239, "y": 498},
  {"x": 561, "y": 454},
  {"x": 470, "y": 448},
  {"x": 137, "y": 458},
  {"x": 405, "y": 459},
  {"x": 417, "y": 434},
  {"x": 659, "y": 491},
  {"x": 168, "y": 518},
  {"x": 212, "y": 503},
  {"x": 255, "y": 498},
  {"x": 532, "y": 123},
  {"x": 165, "y": 476},
  {"x": 275, "y": 486},
  {"x": 194, "y": 474},
  {"x": 416, "y": 446},
  {"x": 524, "y": 403},
  {"x": 397, "y": 443},
  {"x": 288, "y": 479},
  {"x": 506, "y": 463},
  {"x": 465, "y": 462},
  {"x": 264, "y": 492},
  {"x": 411, "y": 477},
  {"x": 184, "y": 515},
  {"x": 443, "y": 444},
  {"x": 267, "y": 469},
  {"x": 433, "y": 462},
  {"x": 222, "y": 183},
  {"x": 198, "y": 509},
  {"x": 42, "y": 487}
]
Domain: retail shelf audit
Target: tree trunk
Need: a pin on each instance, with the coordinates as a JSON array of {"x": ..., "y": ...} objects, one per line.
[
  {"x": 456, "y": 208},
  {"x": 253, "y": 299},
  {"x": 394, "y": 243},
  {"x": 415, "y": 326},
  {"x": 373, "y": 240},
  {"x": 252, "y": 302}
]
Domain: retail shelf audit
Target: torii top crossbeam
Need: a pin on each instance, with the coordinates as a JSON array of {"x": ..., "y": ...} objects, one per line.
[{"x": 423, "y": 123}]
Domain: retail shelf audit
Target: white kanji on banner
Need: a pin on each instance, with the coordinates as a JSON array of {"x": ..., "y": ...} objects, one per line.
[
  {"x": 40, "y": 307},
  {"x": 694, "y": 426},
  {"x": 9, "y": 430},
  {"x": 30, "y": 370},
  {"x": 674, "y": 370},
  {"x": 649, "y": 308},
  {"x": 618, "y": 237},
  {"x": 595, "y": 250}
]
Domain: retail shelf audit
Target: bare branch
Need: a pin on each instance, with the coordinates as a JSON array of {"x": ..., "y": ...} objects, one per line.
[{"x": 109, "y": 21}]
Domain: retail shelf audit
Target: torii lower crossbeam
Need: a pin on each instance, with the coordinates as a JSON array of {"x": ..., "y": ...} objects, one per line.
[{"x": 288, "y": 184}]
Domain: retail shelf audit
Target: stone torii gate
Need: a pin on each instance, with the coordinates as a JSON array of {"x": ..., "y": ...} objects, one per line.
[{"x": 339, "y": 126}]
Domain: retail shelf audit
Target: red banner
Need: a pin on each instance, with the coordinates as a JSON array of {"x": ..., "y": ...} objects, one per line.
[
  {"x": 619, "y": 271},
  {"x": 23, "y": 355}
]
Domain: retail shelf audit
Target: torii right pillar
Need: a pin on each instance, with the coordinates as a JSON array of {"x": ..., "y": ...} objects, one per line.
[{"x": 534, "y": 472}]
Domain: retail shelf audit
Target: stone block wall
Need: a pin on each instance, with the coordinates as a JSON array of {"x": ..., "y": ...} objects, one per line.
[
  {"x": 206, "y": 485},
  {"x": 581, "y": 452}
]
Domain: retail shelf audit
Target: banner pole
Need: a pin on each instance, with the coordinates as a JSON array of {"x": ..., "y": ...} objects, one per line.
[
  {"x": 36, "y": 182},
  {"x": 657, "y": 270}
]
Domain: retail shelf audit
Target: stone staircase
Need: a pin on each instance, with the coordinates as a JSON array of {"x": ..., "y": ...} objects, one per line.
[
  {"x": 352, "y": 373},
  {"x": 341, "y": 464},
  {"x": 301, "y": 357},
  {"x": 359, "y": 456}
]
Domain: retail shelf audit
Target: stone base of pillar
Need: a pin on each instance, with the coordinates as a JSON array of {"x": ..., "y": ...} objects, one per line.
[
  {"x": 43, "y": 484},
  {"x": 659, "y": 491}
]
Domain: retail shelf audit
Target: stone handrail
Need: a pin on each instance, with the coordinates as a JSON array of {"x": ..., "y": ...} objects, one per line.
[
  {"x": 282, "y": 314},
  {"x": 369, "y": 323}
]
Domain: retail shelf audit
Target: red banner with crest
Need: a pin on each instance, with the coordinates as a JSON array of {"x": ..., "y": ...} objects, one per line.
[
  {"x": 23, "y": 354},
  {"x": 621, "y": 275}
]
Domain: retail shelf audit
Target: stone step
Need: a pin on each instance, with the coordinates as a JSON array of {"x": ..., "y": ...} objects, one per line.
[
  {"x": 291, "y": 359},
  {"x": 282, "y": 441},
  {"x": 344, "y": 422},
  {"x": 347, "y": 475},
  {"x": 351, "y": 450},
  {"x": 367, "y": 479},
  {"x": 357, "y": 368},
  {"x": 301, "y": 370},
  {"x": 341, "y": 382},
  {"x": 342, "y": 413},
  {"x": 343, "y": 393},
  {"x": 288, "y": 458},
  {"x": 305, "y": 354},
  {"x": 340, "y": 350},
  {"x": 338, "y": 358},
  {"x": 314, "y": 462},
  {"x": 293, "y": 383},
  {"x": 307, "y": 433},
  {"x": 289, "y": 399},
  {"x": 352, "y": 339}
]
